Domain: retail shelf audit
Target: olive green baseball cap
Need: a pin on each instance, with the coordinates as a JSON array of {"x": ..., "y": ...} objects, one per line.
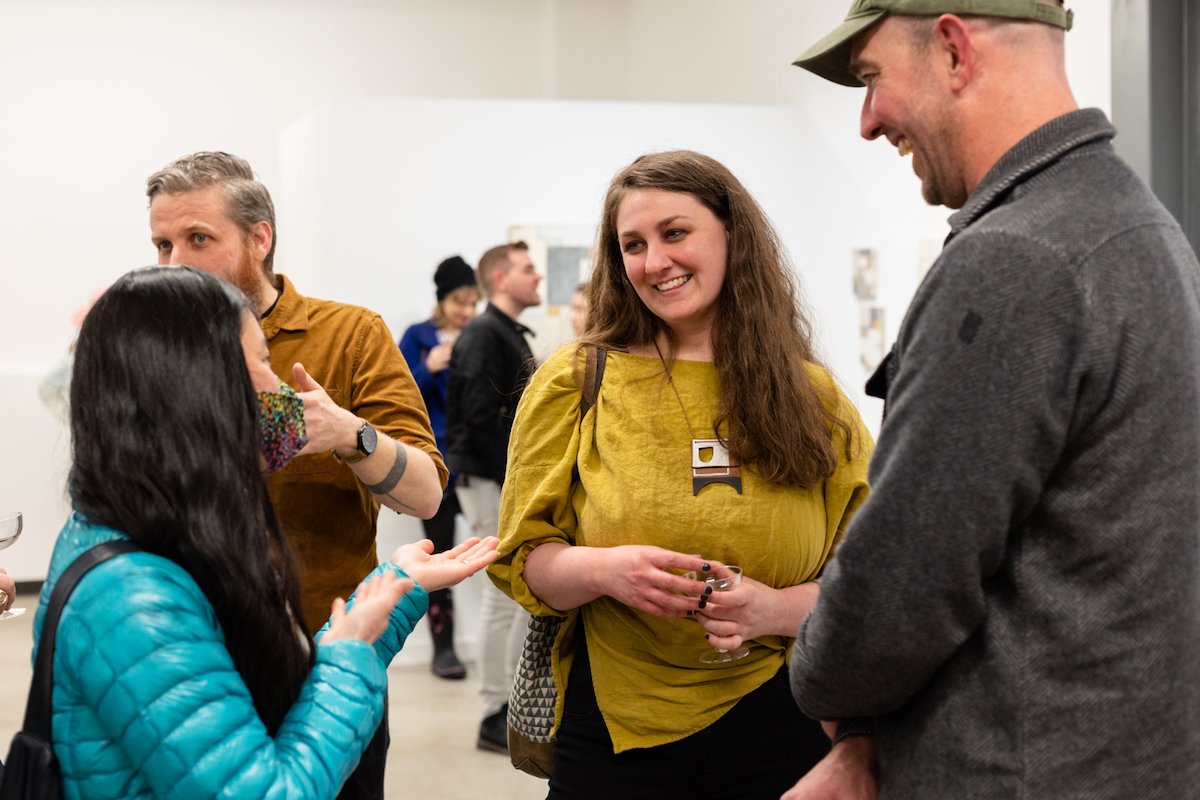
[{"x": 830, "y": 57}]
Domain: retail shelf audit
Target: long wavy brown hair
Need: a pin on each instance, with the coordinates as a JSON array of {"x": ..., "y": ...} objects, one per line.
[{"x": 770, "y": 414}]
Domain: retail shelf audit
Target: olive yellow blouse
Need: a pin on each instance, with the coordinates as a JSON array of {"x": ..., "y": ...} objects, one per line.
[{"x": 623, "y": 475}]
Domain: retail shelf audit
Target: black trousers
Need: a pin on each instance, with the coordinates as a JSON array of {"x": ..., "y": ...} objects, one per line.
[
  {"x": 759, "y": 749},
  {"x": 440, "y": 530},
  {"x": 366, "y": 782}
]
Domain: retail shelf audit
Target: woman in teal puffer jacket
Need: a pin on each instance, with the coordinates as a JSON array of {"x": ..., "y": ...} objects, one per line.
[{"x": 182, "y": 671}]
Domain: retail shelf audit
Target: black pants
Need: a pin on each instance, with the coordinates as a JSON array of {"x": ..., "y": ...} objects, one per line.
[
  {"x": 366, "y": 782},
  {"x": 759, "y": 749},
  {"x": 440, "y": 530}
]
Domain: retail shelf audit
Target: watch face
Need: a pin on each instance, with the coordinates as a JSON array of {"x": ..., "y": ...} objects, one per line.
[{"x": 367, "y": 439}]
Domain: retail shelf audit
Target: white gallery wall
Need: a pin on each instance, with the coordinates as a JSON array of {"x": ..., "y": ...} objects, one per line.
[{"x": 552, "y": 96}]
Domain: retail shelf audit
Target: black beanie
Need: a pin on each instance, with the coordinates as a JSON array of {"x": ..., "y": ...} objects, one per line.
[{"x": 451, "y": 274}]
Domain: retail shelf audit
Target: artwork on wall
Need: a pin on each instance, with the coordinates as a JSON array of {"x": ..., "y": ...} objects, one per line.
[
  {"x": 866, "y": 275},
  {"x": 560, "y": 252},
  {"x": 864, "y": 264},
  {"x": 870, "y": 336}
]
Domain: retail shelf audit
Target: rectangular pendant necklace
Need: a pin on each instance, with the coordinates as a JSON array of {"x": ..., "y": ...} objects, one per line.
[{"x": 711, "y": 460}]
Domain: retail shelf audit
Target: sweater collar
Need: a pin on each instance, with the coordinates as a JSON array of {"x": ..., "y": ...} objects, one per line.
[{"x": 1031, "y": 155}]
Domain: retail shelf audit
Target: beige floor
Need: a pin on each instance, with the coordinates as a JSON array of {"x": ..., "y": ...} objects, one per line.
[{"x": 433, "y": 724}]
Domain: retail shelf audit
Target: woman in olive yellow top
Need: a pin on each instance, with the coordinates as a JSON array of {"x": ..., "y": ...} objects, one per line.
[{"x": 715, "y": 439}]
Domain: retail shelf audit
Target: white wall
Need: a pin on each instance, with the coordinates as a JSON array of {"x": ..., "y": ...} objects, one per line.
[{"x": 98, "y": 95}]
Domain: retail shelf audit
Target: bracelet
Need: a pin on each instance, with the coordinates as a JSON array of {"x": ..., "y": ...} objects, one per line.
[{"x": 855, "y": 726}]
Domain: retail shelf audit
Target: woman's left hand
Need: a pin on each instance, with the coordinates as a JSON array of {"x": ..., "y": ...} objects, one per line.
[
  {"x": 752, "y": 609},
  {"x": 435, "y": 571}
]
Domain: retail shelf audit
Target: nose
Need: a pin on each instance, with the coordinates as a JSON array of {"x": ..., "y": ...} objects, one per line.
[
  {"x": 869, "y": 125},
  {"x": 657, "y": 258}
]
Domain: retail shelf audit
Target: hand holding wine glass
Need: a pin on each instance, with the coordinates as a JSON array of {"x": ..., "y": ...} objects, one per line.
[{"x": 724, "y": 578}]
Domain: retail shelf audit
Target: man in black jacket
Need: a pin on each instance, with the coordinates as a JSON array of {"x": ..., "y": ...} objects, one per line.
[{"x": 488, "y": 370}]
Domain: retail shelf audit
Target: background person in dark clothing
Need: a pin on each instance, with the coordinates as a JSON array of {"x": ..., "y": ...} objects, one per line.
[
  {"x": 426, "y": 346},
  {"x": 488, "y": 369}
]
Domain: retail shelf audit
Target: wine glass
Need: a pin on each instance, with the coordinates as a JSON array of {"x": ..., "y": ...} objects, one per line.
[
  {"x": 721, "y": 583},
  {"x": 10, "y": 527}
]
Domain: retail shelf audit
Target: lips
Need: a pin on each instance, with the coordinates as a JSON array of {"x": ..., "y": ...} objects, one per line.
[{"x": 674, "y": 283}]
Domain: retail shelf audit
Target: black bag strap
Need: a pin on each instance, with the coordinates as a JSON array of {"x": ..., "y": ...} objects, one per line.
[
  {"x": 594, "y": 359},
  {"x": 37, "y": 708}
]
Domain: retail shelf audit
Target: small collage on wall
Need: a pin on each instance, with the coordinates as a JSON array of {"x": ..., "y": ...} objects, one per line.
[{"x": 871, "y": 341}]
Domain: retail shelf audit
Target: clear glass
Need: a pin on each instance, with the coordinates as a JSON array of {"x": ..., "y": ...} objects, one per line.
[
  {"x": 10, "y": 527},
  {"x": 724, "y": 578}
]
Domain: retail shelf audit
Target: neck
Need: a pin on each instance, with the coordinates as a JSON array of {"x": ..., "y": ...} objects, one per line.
[
  {"x": 507, "y": 305},
  {"x": 264, "y": 293},
  {"x": 694, "y": 345}
]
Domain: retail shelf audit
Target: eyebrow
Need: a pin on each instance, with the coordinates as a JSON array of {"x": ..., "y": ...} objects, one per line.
[{"x": 660, "y": 224}]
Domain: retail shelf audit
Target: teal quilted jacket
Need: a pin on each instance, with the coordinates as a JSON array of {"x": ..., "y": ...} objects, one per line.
[{"x": 147, "y": 702}]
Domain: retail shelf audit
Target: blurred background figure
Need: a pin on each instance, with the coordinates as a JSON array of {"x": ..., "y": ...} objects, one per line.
[
  {"x": 579, "y": 309},
  {"x": 426, "y": 347},
  {"x": 488, "y": 371}
]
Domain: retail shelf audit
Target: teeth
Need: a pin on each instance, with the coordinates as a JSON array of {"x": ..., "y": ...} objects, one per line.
[
  {"x": 671, "y": 284},
  {"x": 904, "y": 148}
]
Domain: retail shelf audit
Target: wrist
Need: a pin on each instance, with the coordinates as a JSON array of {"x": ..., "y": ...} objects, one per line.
[{"x": 857, "y": 729}]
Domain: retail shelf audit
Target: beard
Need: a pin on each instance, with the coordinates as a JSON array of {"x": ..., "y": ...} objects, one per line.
[{"x": 248, "y": 276}]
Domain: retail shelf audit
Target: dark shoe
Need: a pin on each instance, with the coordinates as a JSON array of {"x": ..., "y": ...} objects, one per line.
[
  {"x": 493, "y": 732},
  {"x": 441, "y": 624},
  {"x": 446, "y": 664}
]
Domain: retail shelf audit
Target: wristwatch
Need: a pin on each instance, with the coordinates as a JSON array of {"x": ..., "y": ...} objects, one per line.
[{"x": 365, "y": 443}]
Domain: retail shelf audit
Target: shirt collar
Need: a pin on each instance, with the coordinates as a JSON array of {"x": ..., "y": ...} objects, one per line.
[{"x": 290, "y": 312}]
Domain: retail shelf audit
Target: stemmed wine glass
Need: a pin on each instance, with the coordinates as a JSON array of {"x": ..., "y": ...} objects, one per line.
[
  {"x": 10, "y": 527},
  {"x": 731, "y": 577}
]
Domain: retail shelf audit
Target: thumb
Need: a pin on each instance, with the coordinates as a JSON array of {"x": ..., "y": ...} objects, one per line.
[{"x": 304, "y": 381}]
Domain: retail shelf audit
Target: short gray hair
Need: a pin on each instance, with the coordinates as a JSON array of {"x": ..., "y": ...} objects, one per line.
[{"x": 247, "y": 201}]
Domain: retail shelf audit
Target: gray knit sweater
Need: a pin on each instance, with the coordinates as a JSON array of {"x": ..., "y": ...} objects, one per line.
[{"x": 1018, "y": 601}]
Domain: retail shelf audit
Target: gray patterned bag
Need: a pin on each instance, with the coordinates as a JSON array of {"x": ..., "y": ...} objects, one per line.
[{"x": 534, "y": 693}]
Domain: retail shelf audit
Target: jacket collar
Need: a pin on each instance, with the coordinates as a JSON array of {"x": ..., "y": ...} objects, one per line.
[
  {"x": 508, "y": 321},
  {"x": 1031, "y": 155}
]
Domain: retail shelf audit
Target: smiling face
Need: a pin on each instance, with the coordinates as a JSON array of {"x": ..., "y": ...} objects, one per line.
[
  {"x": 906, "y": 103},
  {"x": 194, "y": 228},
  {"x": 675, "y": 253}
]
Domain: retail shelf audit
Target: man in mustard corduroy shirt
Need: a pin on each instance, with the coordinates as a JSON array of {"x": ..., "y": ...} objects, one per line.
[{"x": 370, "y": 442}]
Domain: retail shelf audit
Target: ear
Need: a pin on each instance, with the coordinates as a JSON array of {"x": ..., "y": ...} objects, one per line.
[
  {"x": 261, "y": 237},
  {"x": 952, "y": 39}
]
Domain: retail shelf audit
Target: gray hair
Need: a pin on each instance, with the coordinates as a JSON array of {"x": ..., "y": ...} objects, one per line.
[{"x": 247, "y": 201}]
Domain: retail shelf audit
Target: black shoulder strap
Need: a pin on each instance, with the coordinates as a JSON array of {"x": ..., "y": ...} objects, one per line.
[
  {"x": 594, "y": 358},
  {"x": 37, "y": 709}
]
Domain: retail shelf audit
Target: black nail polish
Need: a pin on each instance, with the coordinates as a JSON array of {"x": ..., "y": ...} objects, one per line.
[
  {"x": 708, "y": 590},
  {"x": 706, "y": 636},
  {"x": 703, "y": 602},
  {"x": 706, "y": 566}
]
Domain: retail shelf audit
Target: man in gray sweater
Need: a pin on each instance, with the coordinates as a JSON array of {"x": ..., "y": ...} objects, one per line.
[{"x": 1015, "y": 611}]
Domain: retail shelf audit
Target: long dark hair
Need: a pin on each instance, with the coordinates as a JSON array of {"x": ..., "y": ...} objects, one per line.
[
  {"x": 165, "y": 443},
  {"x": 770, "y": 414}
]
